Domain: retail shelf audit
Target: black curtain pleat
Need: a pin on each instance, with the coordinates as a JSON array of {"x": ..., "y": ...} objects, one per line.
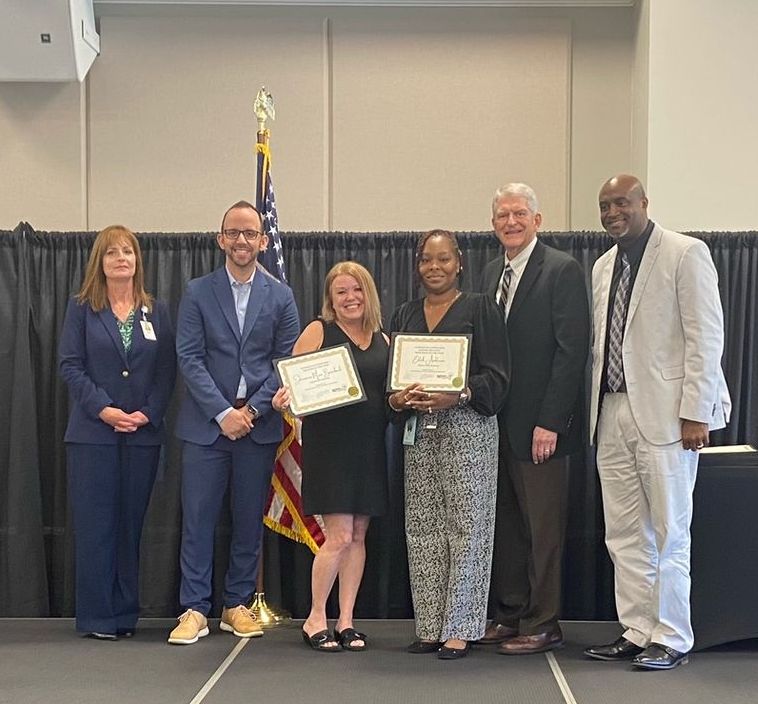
[
  {"x": 40, "y": 270},
  {"x": 23, "y": 528}
]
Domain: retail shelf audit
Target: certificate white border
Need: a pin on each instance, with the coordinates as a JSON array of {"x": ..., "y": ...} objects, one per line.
[
  {"x": 397, "y": 381},
  {"x": 286, "y": 365}
]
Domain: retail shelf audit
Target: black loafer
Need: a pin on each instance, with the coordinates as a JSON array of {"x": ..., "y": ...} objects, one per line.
[
  {"x": 621, "y": 649},
  {"x": 659, "y": 657},
  {"x": 420, "y": 647},
  {"x": 446, "y": 653},
  {"x": 97, "y": 635}
]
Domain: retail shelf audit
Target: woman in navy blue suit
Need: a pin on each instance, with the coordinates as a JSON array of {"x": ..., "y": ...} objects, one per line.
[{"x": 117, "y": 357}]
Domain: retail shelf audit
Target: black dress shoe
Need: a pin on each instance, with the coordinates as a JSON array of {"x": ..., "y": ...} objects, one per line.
[
  {"x": 659, "y": 657},
  {"x": 446, "y": 653},
  {"x": 97, "y": 635},
  {"x": 420, "y": 647},
  {"x": 621, "y": 649}
]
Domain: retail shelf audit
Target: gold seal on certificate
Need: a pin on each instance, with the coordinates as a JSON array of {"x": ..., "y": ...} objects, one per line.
[
  {"x": 439, "y": 362},
  {"x": 321, "y": 380}
]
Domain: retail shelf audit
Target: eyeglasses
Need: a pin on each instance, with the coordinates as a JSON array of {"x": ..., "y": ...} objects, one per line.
[{"x": 249, "y": 235}]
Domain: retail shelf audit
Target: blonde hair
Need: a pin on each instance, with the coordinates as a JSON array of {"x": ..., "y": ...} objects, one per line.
[
  {"x": 372, "y": 312},
  {"x": 94, "y": 290}
]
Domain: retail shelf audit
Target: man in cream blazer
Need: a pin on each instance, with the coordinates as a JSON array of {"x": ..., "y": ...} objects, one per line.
[{"x": 657, "y": 389}]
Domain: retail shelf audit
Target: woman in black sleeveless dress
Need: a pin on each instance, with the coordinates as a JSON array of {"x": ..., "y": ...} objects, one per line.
[
  {"x": 344, "y": 466},
  {"x": 343, "y": 449}
]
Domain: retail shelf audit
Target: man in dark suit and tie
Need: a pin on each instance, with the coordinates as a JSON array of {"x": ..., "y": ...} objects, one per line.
[
  {"x": 544, "y": 298},
  {"x": 232, "y": 323}
]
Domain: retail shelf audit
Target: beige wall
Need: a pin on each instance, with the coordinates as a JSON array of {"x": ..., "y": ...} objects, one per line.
[
  {"x": 386, "y": 118},
  {"x": 171, "y": 122},
  {"x": 431, "y": 113},
  {"x": 641, "y": 90},
  {"x": 703, "y": 111},
  {"x": 41, "y": 155},
  {"x": 601, "y": 107}
]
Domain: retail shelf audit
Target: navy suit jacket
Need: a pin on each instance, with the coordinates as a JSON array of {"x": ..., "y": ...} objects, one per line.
[
  {"x": 99, "y": 373},
  {"x": 213, "y": 354}
]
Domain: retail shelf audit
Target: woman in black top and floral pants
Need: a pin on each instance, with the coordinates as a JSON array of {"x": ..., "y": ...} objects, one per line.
[{"x": 451, "y": 469}]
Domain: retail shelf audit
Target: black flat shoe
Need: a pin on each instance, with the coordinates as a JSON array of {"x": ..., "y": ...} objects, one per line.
[
  {"x": 420, "y": 647},
  {"x": 446, "y": 653},
  {"x": 102, "y": 636},
  {"x": 347, "y": 637},
  {"x": 320, "y": 641}
]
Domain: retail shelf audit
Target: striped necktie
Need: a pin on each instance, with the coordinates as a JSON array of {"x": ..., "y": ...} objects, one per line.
[
  {"x": 616, "y": 337},
  {"x": 504, "y": 287}
]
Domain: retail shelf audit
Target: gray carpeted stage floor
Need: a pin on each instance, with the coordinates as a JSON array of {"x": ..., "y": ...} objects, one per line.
[{"x": 43, "y": 660}]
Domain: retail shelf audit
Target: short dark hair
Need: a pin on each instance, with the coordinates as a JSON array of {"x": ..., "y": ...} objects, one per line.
[
  {"x": 426, "y": 236},
  {"x": 237, "y": 205}
]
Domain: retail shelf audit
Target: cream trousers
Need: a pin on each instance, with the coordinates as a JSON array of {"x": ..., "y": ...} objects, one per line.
[{"x": 647, "y": 502}]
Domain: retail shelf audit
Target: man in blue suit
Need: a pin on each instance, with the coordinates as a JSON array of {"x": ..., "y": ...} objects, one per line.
[{"x": 232, "y": 323}]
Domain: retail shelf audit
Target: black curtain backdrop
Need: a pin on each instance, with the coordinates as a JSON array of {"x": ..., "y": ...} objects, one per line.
[{"x": 40, "y": 270}]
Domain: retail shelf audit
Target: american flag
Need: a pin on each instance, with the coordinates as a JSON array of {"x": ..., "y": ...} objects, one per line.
[
  {"x": 284, "y": 508},
  {"x": 273, "y": 257}
]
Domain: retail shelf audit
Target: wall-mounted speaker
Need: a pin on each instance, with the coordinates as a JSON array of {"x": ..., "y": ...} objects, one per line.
[{"x": 47, "y": 40}]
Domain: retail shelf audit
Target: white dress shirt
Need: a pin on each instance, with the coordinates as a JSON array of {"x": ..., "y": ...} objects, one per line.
[{"x": 518, "y": 264}]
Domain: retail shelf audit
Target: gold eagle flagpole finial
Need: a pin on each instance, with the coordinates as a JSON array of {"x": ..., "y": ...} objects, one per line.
[{"x": 263, "y": 107}]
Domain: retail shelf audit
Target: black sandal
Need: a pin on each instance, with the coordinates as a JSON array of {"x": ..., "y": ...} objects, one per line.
[
  {"x": 347, "y": 637},
  {"x": 321, "y": 641}
]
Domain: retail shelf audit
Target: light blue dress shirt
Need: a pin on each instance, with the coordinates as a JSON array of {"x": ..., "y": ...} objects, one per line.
[{"x": 241, "y": 295}]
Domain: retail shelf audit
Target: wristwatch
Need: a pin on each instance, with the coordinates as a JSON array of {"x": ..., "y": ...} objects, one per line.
[
  {"x": 464, "y": 398},
  {"x": 253, "y": 411}
]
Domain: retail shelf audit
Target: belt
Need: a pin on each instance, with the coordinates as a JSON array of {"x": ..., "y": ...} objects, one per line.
[{"x": 239, "y": 403}]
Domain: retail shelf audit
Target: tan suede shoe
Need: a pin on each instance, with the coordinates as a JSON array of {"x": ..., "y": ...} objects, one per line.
[
  {"x": 240, "y": 621},
  {"x": 192, "y": 625}
]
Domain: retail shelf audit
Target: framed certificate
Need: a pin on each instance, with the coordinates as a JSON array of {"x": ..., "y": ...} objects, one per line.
[
  {"x": 439, "y": 362},
  {"x": 321, "y": 380}
]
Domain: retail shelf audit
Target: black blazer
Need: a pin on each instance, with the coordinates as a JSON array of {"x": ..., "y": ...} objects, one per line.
[{"x": 549, "y": 331}]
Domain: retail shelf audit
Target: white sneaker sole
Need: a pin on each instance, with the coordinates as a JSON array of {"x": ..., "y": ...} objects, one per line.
[
  {"x": 189, "y": 641},
  {"x": 230, "y": 629}
]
